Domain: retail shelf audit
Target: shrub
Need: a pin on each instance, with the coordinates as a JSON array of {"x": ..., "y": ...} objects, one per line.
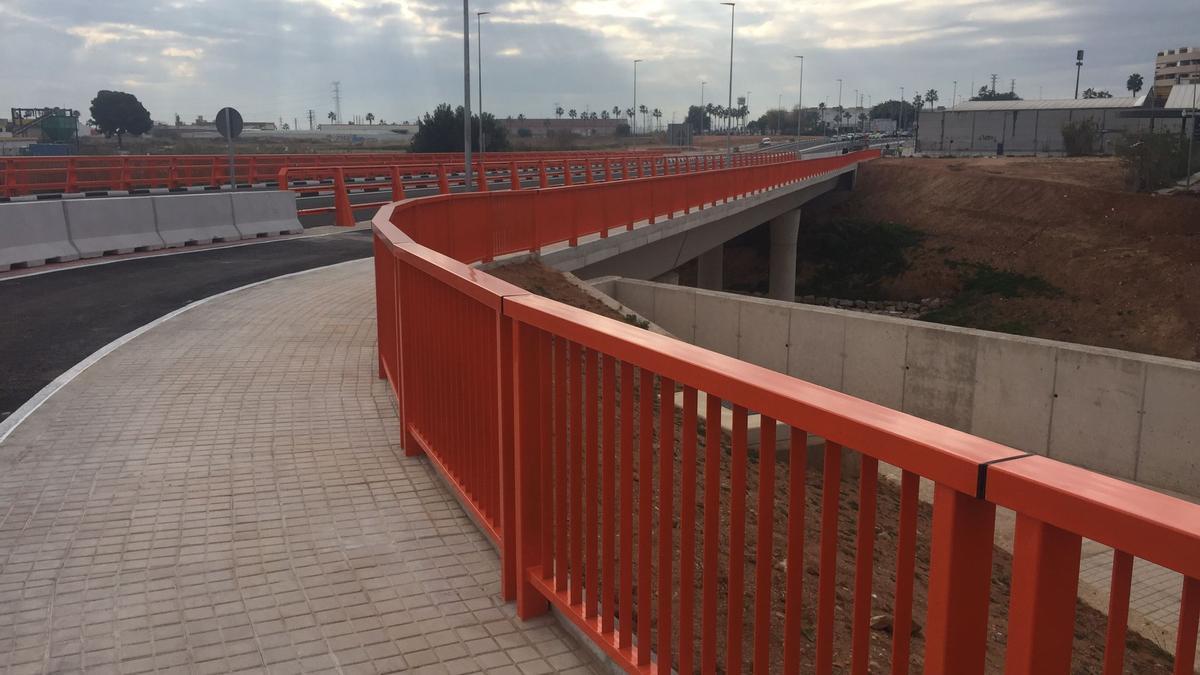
[
  {"x": 524, "y": 133},
  {"x": 1152, "y": 160},
  {"x": 623, "y": 129},
  {"x": 1080, "y": 138}
]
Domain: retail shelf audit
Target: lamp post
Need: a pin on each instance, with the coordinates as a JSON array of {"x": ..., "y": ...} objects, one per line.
[
  {"x": 900, "y": 123},
  {"x": 954, "y": 97},
  {"x": 635, "y": 108},
  {"x": 839, "y": 106},
  {"x": 800, "y": 100},
  {"x": 1078, "y": 69},
  {"x": 728, "y": 131},
  {"x": 703, "y": 113},
  {"x": 479, "y": 52},
  {"x": 467, "y": 93}
]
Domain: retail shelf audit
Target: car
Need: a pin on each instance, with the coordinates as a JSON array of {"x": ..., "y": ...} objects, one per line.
[{"x": 764, "y": 142}]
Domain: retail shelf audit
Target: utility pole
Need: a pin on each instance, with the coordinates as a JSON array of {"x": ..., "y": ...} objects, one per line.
[
  {"x": 479, "y": 52},
  {"x": 954, "y": 96},
  {"x": 703, "y": 113},
  {"x": 728, "y": 130},
  {"x": 1012, "y": 86},
  {"x": 635, "y": 108},
  {"x": 337, "y": 101},
  {"x": 800, "y": 100},
  {"x": 311, "y": 115},
  {"x": 467, "y": 94},
  {"x": 1078, "y": 69},
  {"x": 993, "y": 84},
  {"x": 839, "y": 107}
]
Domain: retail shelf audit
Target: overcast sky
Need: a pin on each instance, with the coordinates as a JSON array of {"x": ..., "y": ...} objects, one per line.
[{"x": 399, "y": 58}]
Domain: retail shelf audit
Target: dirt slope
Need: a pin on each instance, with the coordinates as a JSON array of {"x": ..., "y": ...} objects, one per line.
[{"x": 1128, "y": 265}]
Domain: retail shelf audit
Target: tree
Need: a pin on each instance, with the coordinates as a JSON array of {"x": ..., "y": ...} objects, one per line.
[
  {"x": 558, "y": 111},
  {"x": 287, "y": 127},
  {"x": 623, "y": 129},
  {"x": 370, "y": 118},
  {"x": 986, "y": 94},
  {"x": 332, "y": 116},
  {"x": 572, "y": 113},
  {"x": 116, "y": 113},
  {"x": 697, "y": 119},
  {"x": 603, "y": 114},
  {"x": 1134, "y": 84},
  {"x": 657, "y": 114},
  {"x": 821, "y": 112},
  {"x": 931, "y": 97},
  {"x": 178, "y": 120},
  {"x": 520, "y": 116},
  {"x": 616, "y": 111},
  {"x": 442, "y": 131},
  {"x": 1096, "y": 93},
  {"x": 644, "y": 111}
]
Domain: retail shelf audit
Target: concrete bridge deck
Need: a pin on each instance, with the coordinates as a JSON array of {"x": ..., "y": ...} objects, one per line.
[{"x": 224, "y": 494}]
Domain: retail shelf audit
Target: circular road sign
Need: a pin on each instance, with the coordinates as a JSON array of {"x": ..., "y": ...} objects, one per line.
[{"x": 229, "y": 123}]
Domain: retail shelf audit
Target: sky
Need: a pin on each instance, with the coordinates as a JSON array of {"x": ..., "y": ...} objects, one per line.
[{"x": 276, "y": 59}]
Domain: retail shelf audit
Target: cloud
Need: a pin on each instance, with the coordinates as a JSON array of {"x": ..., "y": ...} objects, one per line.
[{"x": 399, "y": 58}]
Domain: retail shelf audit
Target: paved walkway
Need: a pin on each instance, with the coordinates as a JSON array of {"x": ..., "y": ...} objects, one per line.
[{"x": 224, "y": 494}]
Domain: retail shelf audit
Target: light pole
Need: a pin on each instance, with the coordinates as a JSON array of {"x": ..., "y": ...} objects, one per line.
[
  {"x": 1078, "y": 69},
  {"x": 467, "y": 93},
  {"x": 635, "y": 109},
  {"x": 954, "y": 97},
  {"x": 479, "y": 52},
  {"x": 800, "y": 100},
  {"x": 900, "y": 124},
  {"x": 703, "y": 113},
  {"x": 728, "y": 131},
  {"x": 1192, "y": 140},
  {"x": 839, "y": 106}
]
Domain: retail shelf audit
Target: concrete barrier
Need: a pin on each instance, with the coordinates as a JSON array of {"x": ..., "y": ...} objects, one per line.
[
  {"x": 1128, "y": 415},
  {"x": 259, "y": 214},
  {"x": 195, "y": 219},
  {"x": 111, "y": 225},
  {"x": 34, "y": 233}
]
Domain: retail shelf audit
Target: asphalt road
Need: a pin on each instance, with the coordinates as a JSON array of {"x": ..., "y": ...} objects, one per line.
[{"x": 53, "y": 321}]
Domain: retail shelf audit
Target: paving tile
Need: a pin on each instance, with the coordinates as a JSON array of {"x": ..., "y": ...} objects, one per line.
[{"x": 225, "y": 494}]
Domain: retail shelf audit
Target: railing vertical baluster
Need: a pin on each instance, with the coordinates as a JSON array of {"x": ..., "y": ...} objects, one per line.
[
  {"x": 764, "y": 555},
  {"x": 960, "y": 572},
  {"x": 864, "y": 558},
  {"x": 546, "y": 443},
  {"x": 575, "y": 374},
  {"x": 625, "y": 639},
  {"x": 827, "y": 582},
  {"x": 561, "y": 567},
  {"x": 608, "y": 487},
  {"x": 793, "y": 626},
  {"x": 527, "y": 487},
  {"x": 906, "y": 559},
  {"x": 666, "y": 516},
  {"x": 687, "y": 536},
  {"x": 592, "y": 491},
  {"x": 712, "y": 526},
  {"x": 735, "y": 598},
  {"x": 1041, "y": 613},
  {"x": 1118, "y": 613},
  {"x": 645, "y": 498},
  {"x": 1189, "y": 622}
]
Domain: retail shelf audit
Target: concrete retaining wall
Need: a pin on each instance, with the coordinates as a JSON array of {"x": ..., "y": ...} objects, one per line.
[
  {"x": 32, "y": 233},
  {"x": 1124, "y": 414}
]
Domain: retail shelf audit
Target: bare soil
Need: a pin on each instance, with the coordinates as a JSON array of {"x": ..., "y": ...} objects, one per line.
[
  {"x": 1142, "y": 657},
  {"x": 1126, "y": 263}
]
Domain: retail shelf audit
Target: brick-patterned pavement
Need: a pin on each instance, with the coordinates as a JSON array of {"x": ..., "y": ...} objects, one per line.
[{"x": 224, "y": 494}]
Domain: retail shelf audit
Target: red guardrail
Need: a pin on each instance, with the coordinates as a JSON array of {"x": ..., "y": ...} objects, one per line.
[
  {"x": 571, "y": 436},
  {"x": 83, "y": 173},
  {"x": 507, "y": 174}
]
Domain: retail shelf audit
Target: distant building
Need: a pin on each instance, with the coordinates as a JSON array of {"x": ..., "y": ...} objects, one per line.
[
  {"x": 1175, "y": 66},
  {"x": 543, "y": 126},
  {"x": 1030, "y": 127}
]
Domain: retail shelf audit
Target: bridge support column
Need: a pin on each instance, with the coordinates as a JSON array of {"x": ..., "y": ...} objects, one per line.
[
  {"x": 785, "y": 230},
  {"x": 710, "y": 268}
]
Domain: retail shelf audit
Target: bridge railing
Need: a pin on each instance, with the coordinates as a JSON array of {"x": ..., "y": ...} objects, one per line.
[
  {"x": 624, "y": 475},
  {"x": 502, "y": 173},
  {"x": 21, "y": 176}
]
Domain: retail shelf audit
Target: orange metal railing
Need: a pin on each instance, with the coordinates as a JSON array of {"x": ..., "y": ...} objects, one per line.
[
  {"x": 563, "y": 433},
  {"x": 86, "y": 173},
  {"x": 338, "y": 182}
]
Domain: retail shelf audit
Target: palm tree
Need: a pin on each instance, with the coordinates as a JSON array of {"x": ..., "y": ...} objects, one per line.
[
  {"x": 572, "y": 113},
  {"x": 604, "y": 114},
  {"x": 821, "y": 112},
  {"x": 931, "y": 97},
  {"x": 616, "y": 111},
  {"x": 332, "y": 116},
  {"x": 558, "y": 112},
  {"x": 644, "y": 111},
  {"x": 520, "y": 116},
  {"x": 1134, "y": 83},
  {"x": 657, "y": 118},
  {"x": 370, "y": 118}
]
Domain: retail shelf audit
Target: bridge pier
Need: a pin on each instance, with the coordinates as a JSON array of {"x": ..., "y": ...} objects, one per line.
[
  {"x": 785, "y": 231},
  {"x": 711, "y": 268}
]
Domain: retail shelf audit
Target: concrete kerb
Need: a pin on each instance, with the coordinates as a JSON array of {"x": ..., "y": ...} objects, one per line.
[
  {"x": 34, "y": 233},
  {"x": 194, "y": 219},
  {"x": 119, "y": 224},
  {"x": 257, "y": 214}
]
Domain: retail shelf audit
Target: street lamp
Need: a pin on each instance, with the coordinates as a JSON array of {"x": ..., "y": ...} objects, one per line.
[
  {"x": 728, "y": 131},
  {"x": 467, "y": 93},
  {"x": 703, "y": 113},
  {"x": 635, "y": 108},
  {"x": 479, "y": 51},
  {"x": 800, "y": 101},
  {"x": 954, "y": 97},
  {"x": 839, "y": 106}
]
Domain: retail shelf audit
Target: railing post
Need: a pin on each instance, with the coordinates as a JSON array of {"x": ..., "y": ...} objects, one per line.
[
  {"x": 343, "y": 214},
  {"x": 443, "y": 180},
  {"x": 481, "y": 181},
  {"x": 960, "y": 574},
  {"x": 72, "y": 179},
  {"x": 282, "y": 178},
  {"x": 587, "y": 171},
  {"x": 514, "y": 176},
  {"x": 608, "y": 174},
  {"x": 522, "y": 539},
  {"x": 397, "y": 184},
  {"x": 568, "y": 179},
  {"x": 1041, "y": 611},
  {"x": 543, "y": 174}
]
